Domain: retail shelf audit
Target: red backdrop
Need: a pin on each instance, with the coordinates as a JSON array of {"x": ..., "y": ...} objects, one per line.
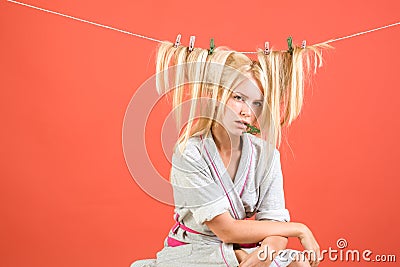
[{"x": 67, "y": 197}]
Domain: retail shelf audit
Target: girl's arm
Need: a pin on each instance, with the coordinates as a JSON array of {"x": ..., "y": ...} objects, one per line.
[{"x": 230, "y": 230}]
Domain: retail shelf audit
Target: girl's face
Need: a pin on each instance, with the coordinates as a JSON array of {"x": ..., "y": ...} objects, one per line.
[{"x": 243, "y": 107}]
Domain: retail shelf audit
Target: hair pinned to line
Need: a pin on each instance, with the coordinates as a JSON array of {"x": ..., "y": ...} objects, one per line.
[{"x": 205, "y": 78}]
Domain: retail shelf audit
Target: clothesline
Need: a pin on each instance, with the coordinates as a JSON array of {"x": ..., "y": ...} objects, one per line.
[{"x": 159, "y": 41}]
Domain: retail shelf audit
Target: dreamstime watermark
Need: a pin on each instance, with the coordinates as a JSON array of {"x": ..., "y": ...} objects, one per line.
[{"x": 341, "y": 253}]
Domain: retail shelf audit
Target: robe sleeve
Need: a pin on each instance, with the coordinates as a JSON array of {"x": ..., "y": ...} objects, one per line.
[
  {"x": 272, "y": 200},
  {"x": 194, "y": 186}
]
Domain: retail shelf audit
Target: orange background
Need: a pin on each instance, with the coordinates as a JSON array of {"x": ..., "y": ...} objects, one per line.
[{"x": 66, "y": 195}]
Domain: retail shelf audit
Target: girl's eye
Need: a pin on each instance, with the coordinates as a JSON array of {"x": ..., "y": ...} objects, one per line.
[
  {"x": 238, "y": 98},
  {"x": 257, "y": 104}
]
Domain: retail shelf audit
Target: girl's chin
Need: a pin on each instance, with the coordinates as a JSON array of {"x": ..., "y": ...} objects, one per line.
[{"x": 237, "y": 132}]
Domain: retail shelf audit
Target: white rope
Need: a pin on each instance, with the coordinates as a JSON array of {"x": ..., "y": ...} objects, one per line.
[
  {"x": 159, "y": 41},
  {"x": 361, "y": 33},
  {"x": 349, "y": 36},
  {"x": 86, "y": 21}
]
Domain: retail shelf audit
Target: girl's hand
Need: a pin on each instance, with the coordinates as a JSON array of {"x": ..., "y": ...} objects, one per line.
[
  {"x": 309, "y": 243},
  {"x": 252, "y": 260}
]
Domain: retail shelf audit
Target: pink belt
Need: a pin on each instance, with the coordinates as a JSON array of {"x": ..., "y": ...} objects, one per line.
[{"x": 172, "y": 242}]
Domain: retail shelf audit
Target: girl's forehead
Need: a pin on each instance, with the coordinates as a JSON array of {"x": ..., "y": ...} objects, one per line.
[{"x": 249, "y": 88}]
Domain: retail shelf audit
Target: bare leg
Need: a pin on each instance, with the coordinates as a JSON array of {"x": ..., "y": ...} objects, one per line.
[
  {"x": 240, "y": 255},
  {"x": 299, "y": 264}
]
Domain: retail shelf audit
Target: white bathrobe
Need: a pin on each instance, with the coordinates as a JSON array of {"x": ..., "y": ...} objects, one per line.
[{"x": 204, "y": 189}]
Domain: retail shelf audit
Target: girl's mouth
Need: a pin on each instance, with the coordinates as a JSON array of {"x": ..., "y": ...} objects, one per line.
[
  {"x": 242, "y": 124},
  {"x": 248, "y": 127}
]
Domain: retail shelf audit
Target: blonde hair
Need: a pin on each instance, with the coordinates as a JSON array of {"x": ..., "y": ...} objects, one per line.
[{"x": 204, "y": 79}]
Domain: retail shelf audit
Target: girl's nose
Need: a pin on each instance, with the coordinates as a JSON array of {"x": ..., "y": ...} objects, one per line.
[{"x": 245, "y": 111}]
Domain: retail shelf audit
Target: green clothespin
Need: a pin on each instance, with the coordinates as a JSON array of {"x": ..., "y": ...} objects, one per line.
[
  {"x": 212, "y": 46},
  {"x": 252, "y": 129},
  {"x": 290, "y": 45}
]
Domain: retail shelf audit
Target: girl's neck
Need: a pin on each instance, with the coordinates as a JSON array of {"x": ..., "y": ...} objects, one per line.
[{"x": 224, "y": 141}]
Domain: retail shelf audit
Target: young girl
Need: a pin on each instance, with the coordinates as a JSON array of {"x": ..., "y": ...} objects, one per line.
[{"x": 222, "y": 174}]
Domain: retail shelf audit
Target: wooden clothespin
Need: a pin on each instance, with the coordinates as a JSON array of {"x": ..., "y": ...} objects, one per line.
[
  {"x": 266, "y": 48},
  {"x": 191, "y": 43},
  {"x": 290, "y": 45},
  {"x": 212, "y": 46},
  {"x": 177, "y": 41}
]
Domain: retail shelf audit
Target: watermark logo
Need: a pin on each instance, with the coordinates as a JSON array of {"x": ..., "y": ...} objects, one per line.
[
  {"x": 341, "y": 243},
  {"x": 340, "y": 253}
]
